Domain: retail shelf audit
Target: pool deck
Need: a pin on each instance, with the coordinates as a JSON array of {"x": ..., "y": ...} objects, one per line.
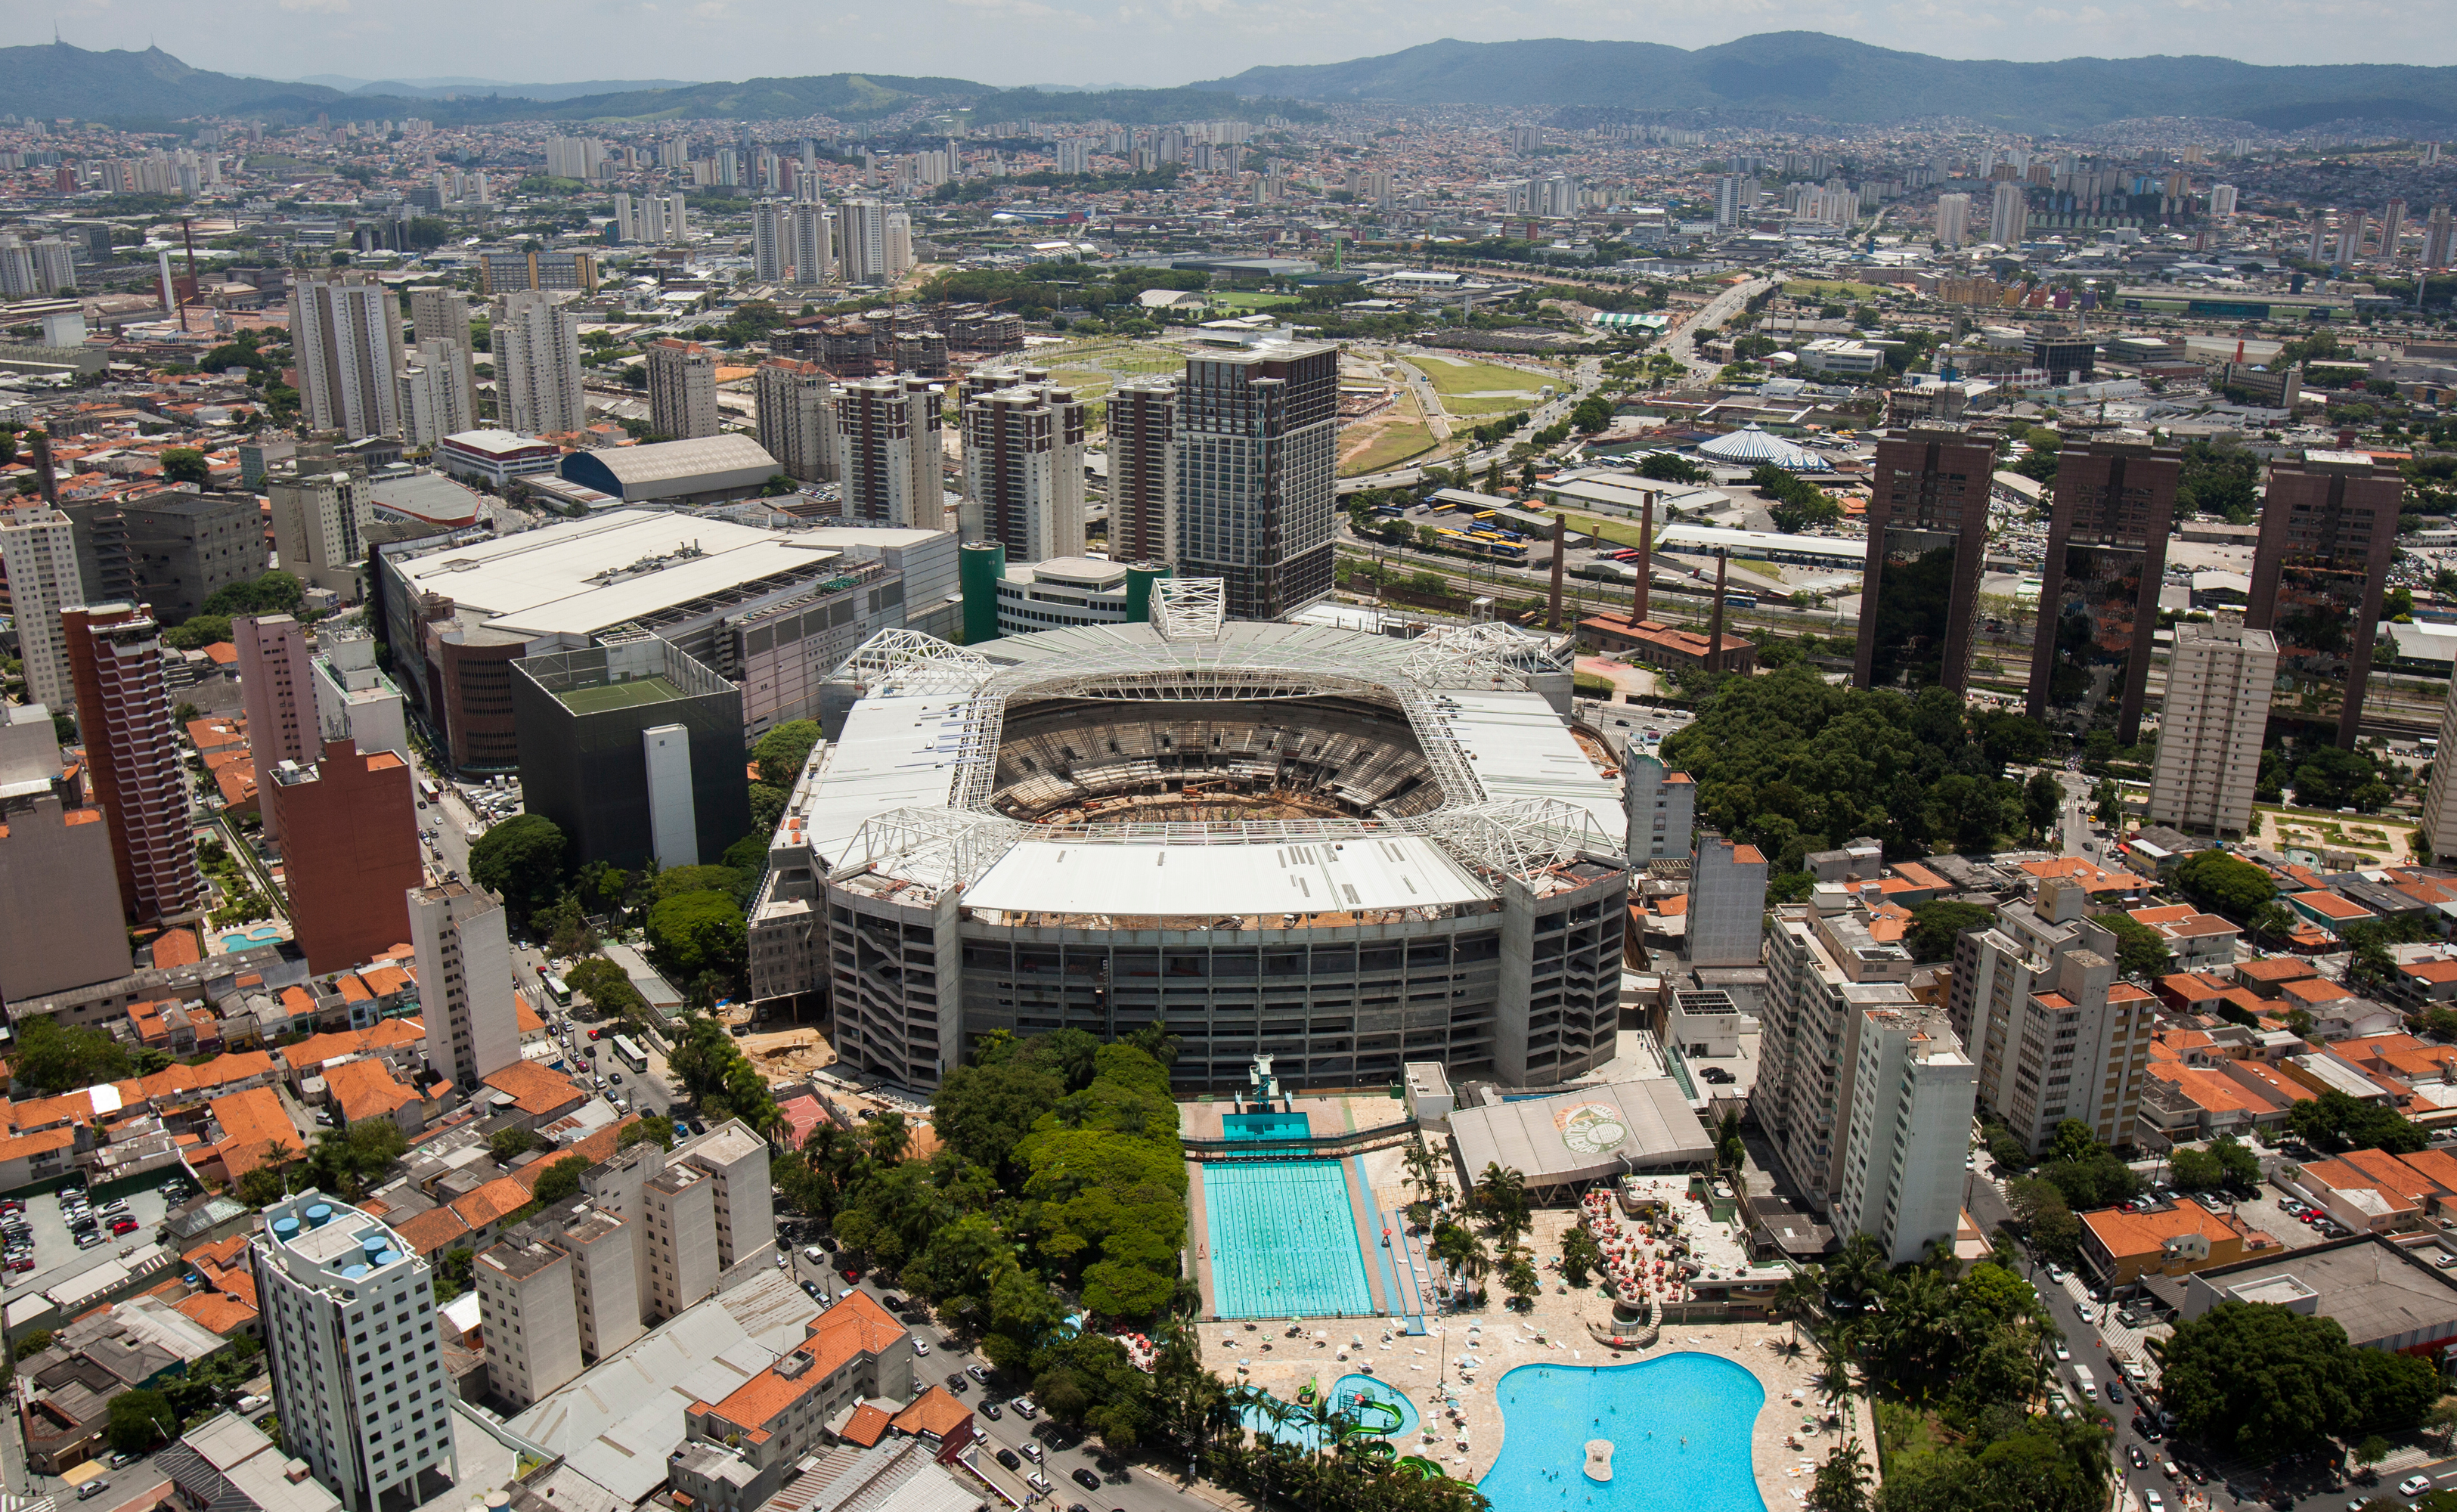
[
  {"x": 1501, "y": 1339},
  {"x": 1327, "y": 1116}
]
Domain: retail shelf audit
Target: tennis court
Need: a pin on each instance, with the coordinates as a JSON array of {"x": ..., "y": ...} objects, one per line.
[
  {"x": 607, "y": 695},
  {"x": 1283, "y": 1240}
]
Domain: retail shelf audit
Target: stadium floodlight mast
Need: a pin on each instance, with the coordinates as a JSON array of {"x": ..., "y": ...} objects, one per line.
[
  {"x": 910, "y": 661},
  {"x": 1189, "y": 607}
]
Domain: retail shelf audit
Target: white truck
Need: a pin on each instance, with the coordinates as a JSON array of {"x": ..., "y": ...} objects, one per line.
[{"x": 2089, "y": 1383}]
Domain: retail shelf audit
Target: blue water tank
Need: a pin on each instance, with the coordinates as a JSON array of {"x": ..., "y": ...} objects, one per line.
[
  {"x": 386, "y": 1257},
  {"x": 285, "y": 1228},
  {"x": 353, "y": 1272},
  {"x": 319, "y": 1215}
]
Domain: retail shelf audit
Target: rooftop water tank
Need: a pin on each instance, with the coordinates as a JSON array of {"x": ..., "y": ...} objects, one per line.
[{"x": 319, "y": 1215}]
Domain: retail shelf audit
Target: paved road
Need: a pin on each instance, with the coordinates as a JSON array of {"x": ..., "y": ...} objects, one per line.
[
  {"x": 1125, "y": 1488},
  {"x": 1683, "y": 345}
]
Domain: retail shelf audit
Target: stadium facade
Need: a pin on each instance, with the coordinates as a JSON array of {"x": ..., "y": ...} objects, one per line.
[{"x": 1345, "y": 850}]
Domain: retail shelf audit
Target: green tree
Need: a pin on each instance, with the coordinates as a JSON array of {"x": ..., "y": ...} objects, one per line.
[
  {"x": 199, "y": 631},
  {"x": 1579, "y": 1254},
  {"x": 698, "y": 932},
  {"x": 2142, "y": 951},
  {"x": 273, "y": 592},
  {"x": 140, "y": 1420},
  {"x": 2226, "y": 884},
  {"x": 1842, "y": 1484},
  {"x": 560, "y": 1181},
  {"x": 2333, "y": 1122},
  {"x": 654, "y": 1126},
  {"x": 2043, "y": 798},
  {"x": 2261, "y": 1379},
  {"x": 30, "y": 1345},
  {"x": 54, "y": 1060},
  {"x": 453, "y": 1273},
  {"x": 508, "y": 1145},
  {"x": 783, "y": 751},
  {"x": 522, "y": 861},
  {"x": 1936, "y": 925},
  {"x": 1670, "y": 467},
  {"x": 185, "y": 464}
]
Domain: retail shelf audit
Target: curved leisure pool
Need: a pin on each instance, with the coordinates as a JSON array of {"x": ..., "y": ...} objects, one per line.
[{"x": 1679, "y": 1426}]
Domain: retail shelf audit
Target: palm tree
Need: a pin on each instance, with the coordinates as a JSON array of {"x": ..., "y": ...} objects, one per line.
[
  {"x": 1501, "y": 1193},
  {"x": 1833, "y": 1380},
  {"x": 1801, "y": 1295},
  {"x": 1858, "y": 1271}
]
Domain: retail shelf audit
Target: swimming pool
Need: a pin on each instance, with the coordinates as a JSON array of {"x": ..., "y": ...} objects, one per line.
[
  {"x": 1357, "y": 1395},
  {"x": 1283, "y": 1237},
  {"x": 1679, "y": 1426},
  {"x": 1266, "y": 1126},
  {"x": 243, "y": 939}
]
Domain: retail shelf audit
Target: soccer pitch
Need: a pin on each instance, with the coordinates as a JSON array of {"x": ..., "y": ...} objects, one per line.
[{"x": 620, "y": 694}]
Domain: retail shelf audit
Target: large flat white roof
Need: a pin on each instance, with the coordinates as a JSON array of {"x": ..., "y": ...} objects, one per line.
[
  {"x": 893, "y": 753},
  {"x": 1518, "y": 748},
  {"x": 538, "y": 581}
]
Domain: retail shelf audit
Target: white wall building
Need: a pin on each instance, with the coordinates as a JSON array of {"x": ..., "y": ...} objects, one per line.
[
  {"x": 2009, "y": 216},
  {"x": 536, "y": 346},
  {"x": 436, "y": 400},
  {"x": 350, "y": 1343},
  {"x": 320, "y": 530},
  {"x": 464, "y": 981},
  {"x": 345, "y": 339},
  {"x": 39, "y": 550},
  {"x": 1909, "y": 1131},
  {"x": 1952, "y": 219},
  {"x": 2218, "y": 683},
  {"x": 795, "y": 416}
]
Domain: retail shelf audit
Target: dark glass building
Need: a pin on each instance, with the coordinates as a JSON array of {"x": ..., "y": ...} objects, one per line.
[
  {"x": 2098, "y": 588},
  {"x": 1928, "y": 536},
  {"x": 2328, "y": 530},
  {"x": 634, "y": 750}
]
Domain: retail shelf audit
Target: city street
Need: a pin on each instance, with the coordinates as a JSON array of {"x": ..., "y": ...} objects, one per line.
[{"x": 1683, "y": 345}]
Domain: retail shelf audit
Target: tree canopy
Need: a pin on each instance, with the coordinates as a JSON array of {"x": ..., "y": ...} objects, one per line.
[
  {"x": 780, "y": 754},
  {"x": 2260, "y": 1380},
  {"x": 2224, "y": 884},
  {"x": 2334, "y": 1122},
  {"x": 520, "y": 859},
  {"x": 1937, "y": 923},
  {"x": 54, "y": 1060}
]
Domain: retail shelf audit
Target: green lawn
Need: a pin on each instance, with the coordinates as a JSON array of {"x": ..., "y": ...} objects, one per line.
[
  {"x": 1504, "y": 388},
  {"x": 1620, "y": 532},
  {"x": 1822, "y": 292},
  {"x": 1248, "y": 303},
  {"x": 1397, "y": 444},
  {"x": 607, "y": 695}
]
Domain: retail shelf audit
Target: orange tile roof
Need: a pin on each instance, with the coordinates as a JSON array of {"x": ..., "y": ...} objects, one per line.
[
  {"x": 536, "y": 1090},
  {"x": 384, "y": 982},
  {"x": 2312, "y": 991},
  {"x": 490, "y": 1203},
  {"x": 2393, "y": 1174},
  {"x": 2434, "y": 972},
  {"x": 525, "y": 1017},
  {"x": 2127, "y": 1234},
  {"x": 865, "y": 1428},
  {"x": 178, "y": 947},
  {"x": 313, "y": 1051},
  {"x": 2193, "y": 986},
  {"x": 352, "y": 989},
  {"x": 2329, "y": 906},
  {"x": 2166, "y": 914},
  {"x": 219, "y": 1311},
  {"x": 367, "y": 1089},
  {"x": 431, "y": 1232},
  {"x": 2339, "y": 1176},
  {"x": 1919, "y": 875},
  {"x": 858, "y": 1325},
  {"x": 2213, "y": 1091},
  {"x": 2273, "y": 968},
  {"x": 254, "y": 1131},
  {"x": 221, "y": 1254},
  {"x": 937, "y": 1412}
]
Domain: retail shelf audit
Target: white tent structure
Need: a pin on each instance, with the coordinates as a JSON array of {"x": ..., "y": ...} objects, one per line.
[{"x": 1750, "y": 447}]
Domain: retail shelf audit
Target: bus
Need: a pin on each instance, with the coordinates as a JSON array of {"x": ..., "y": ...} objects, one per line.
[
  {"x": 556, "y": 989},
  {"x": 628, "y": 1053},
  {"x": 428, "y": 790}
]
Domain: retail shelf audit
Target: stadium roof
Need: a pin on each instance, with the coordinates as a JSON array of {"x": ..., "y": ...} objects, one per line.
[
  {"x": 428, "y": 496},
  {"x": 1585, "y": 1133},
  {"x": 906, "y": 791},
  {"x": 664, "y": 468}
]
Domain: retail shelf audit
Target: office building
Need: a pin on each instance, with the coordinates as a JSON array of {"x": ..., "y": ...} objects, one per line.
[
  {"x": 634, "y": 750},
  {"x": 280, "y": 700},
  {"x": 536, "y": 343},
  {"x": 1727, "y": 884},
  {"x": 1023, "y": 445},
  {"x": 2210, "y": 729},
  {"x": 2223, "y": 198},
  {"x": 133, "y": 758},
  {"x": 527, "y": 1301},
  {"x": 38, "y": 550},
  {"x": 345, "y": 341},
  {"x": 2113, "y": 505},
  {"x": 1952, "y": 219},
  {"x": 355, "y": 701},
  {"x": 2066, "y": 358},
  {"x": 743, "y": 1448},
  {"x": 437, "y": 312},
  {"x": 464, "y": 981},
  {"x": 349, "y": 850},
  {"x": 2009, "y": 215},
  {"x": 1142, "y": 511},
  {"x": 2328, "y": 531},
  {"x": 888, "y": 454},
  {"x": 2051, "y": 1031},
  {"x": 1909, "y": 1131},
  {"x": 320, "y": 530},
  {"x": 1735, "y": 196},
  {"x": 348, "y": 1313},
  {"x": 682, "y": 389},
  {"x": 770, "y": 252},
  {"x": 2439, "y": 239},
  {"x": 812, "y": 242},
  {"x": 795, "y": 416},
  {"x": 1661, "y": 806},
  {"x": 63, "y": 922},
  {"x": 873, "y": 243},
  {"x": 503, "y": 271},
  {"x": 1928, "y": 538},
  {"x": 436, "y": 399},
  {"x": 2440, "y": 800},
  {"x": 1255, "y": 460},
  {"x": 1817, "y": 995},
  {"x": 182, "y": 548}
]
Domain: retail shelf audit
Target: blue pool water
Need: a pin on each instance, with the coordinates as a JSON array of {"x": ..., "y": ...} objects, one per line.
[
  {"x": 1679, "y": 1426},
  {"x": 1283, "y": 1238},
  {"x": 242, "y": 938},
  {"x": 1352, "y": 1395},
  {"x": 1266, "y": 1126}
]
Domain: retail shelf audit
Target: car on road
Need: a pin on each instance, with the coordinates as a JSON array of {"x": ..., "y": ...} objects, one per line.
[
  {"x": 121, "y": 1460},
  {"x": 1039, "y": 1482},
  {"x": 2152, "y": 1500},
  {"x": 1024, "y": 1407},
  {"x": 1087, "y": 1480},
  {"x": 979, "y": 1372},
  {"x": 2115, "y": 1392},
  {"x": 2140, "y": 1460},
  {"x": 93, "y": 1488},
  {"x": 920, "y": 1346},
  {"x": 1007, "y": 1457},
  {"x": 2063, "y": 1354},
  {"x": 849, "y": 1274},
  {"x": 993, "y": 1410},
  {"x": 2167, "y": 1468},
  {"x": 958, "y": 1382},
  {"x": 2414, "y": 1485},
  {"x": 248, "y": 1404}
]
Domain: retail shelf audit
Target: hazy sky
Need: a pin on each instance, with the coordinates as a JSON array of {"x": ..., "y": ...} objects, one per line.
[{"x": 1154, "y": 42}]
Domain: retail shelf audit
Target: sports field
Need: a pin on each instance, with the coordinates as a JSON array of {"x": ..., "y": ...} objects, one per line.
[
  {"x": 619, "y": 695},
  {"x": 1480, "y": 388}
]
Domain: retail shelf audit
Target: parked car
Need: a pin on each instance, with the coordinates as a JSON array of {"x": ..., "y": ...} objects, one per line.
[
  {"x": 2414, "y": 1485},
  {"x": 979, "y": 1372},
  {"x": 93, "y": 1488},
  {"x": 993, "y": 1410},
  {"x": 1086, "y": 1480},
  {"x": 1025, "y": 1407},
  {"x": 958, "y": 1382},
  {"x": 1007, "y": 1457}
]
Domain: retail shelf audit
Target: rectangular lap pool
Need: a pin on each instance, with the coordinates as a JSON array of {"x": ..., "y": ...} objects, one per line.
[
  {"x": 1283, "y": 1236},
  {"x": 1266, "y": 1126}
]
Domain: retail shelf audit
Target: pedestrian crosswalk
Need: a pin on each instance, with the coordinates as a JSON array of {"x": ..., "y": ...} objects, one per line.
[{"x": 2120, "y": 1339}]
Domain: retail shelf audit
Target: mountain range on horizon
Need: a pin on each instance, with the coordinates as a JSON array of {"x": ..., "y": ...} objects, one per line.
[{"x": 1799, "y": 73}]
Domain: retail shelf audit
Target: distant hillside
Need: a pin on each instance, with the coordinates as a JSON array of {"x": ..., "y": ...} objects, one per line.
[
  {"x": 1134, "y": 107},
  {"x": 1811, "y": 73},
  {"x": 526, "y": 91},
  {"x": 57, "y": 80}
]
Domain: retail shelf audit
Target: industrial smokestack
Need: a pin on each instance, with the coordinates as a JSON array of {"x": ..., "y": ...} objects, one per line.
[
  {"x": 1645, "y": 557},
  {"x": 1715, "y": 621},
  {"x": 1553, "y": 621}
]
